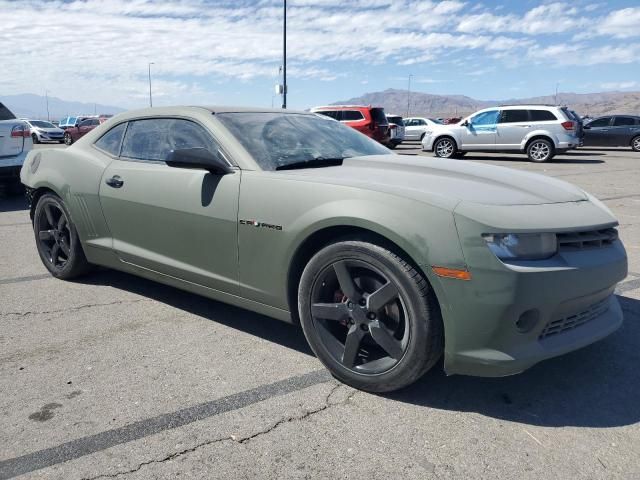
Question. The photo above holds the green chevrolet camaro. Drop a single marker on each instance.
(387, 261)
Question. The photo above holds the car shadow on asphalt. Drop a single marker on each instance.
(597, 386)
(606, 149)
(282, 333)
(523, 159)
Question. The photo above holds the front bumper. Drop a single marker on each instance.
(509, 317)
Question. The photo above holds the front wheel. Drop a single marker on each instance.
(68, 140)
(369, 316)
(57, 239)
(445, 148)
(540, 150)
(635, 144)
(34, 137)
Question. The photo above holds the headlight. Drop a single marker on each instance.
(522, 246)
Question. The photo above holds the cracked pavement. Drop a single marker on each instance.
(117, 377)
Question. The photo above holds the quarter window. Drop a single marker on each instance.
(600, 122)
(542, 115)
(153, 139)
(623, 121)
(110, 142)
(335, 114)
(85, 123)
(513, 116)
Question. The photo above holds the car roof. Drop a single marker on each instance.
(341, 107)
(181, 110)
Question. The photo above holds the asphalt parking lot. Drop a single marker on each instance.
(114, 376)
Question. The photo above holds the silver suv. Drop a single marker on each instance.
(540, 131)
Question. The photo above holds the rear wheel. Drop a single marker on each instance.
(57, 239)
(540, 150)
(369, 316)
(445, 148)
(68, 140)
(635, 144)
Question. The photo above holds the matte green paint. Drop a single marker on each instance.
(180, 227)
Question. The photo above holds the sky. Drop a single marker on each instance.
(229, 51)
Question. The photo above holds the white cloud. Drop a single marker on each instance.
(620, 85)
(621, 23)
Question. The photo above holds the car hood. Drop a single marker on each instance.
(49, 130)
(446, 182)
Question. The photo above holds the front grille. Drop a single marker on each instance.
(588, 239)
(570, 322)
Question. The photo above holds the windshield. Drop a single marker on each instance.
(41, 124)
(279, 139)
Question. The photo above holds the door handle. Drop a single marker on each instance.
(115, 181)
(524, 126)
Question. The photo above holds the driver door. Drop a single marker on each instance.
(179, 222)
(480, 133)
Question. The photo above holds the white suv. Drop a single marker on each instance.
(540, 131)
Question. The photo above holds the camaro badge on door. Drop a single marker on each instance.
(255, 223)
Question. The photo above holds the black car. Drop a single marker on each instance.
(613, 131)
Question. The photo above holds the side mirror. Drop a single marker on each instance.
(465, 123)
(586, 127)
(198, 158)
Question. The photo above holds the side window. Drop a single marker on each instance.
(600, 122)
(421, 122)
(110, 141)
(486, 118)
(153, 139)
(542, 115)
(513, 116)
(352, 116)
(95, 122)
(85, 123)
(623, 121)
(330, 113)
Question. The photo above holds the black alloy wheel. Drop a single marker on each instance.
(369, 316)
(360, 317)
(57, 239)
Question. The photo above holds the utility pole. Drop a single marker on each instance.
(409, 95)
(150, 98)
(46, 96)
(284, 56)
(556, 97)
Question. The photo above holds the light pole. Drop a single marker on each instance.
(556, 97)
(284, 56)
(409, 95)
(46, 96)
(150, 98)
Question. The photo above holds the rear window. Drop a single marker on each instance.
(351, 116)
(542, 115)
(513, 116)
(396, 120)
(5, 113)
(378, 116)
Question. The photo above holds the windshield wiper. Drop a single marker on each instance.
(317, 162)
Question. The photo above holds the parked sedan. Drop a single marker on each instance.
(387, 261)
(415, 127)
(42, 131)
(613, 131)
(72, 134)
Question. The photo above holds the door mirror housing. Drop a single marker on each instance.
(586, 127)
(465, 123)
(198, 158)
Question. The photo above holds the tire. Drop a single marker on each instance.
(68, 140)
(445, 147)
(34, 137)
(57, 239)
(387, 302)
(635, 144)
(540, 150)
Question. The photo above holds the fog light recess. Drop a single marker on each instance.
(528, 320)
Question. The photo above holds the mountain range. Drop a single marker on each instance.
(28, 105)
(393, 100)
(426, 104)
